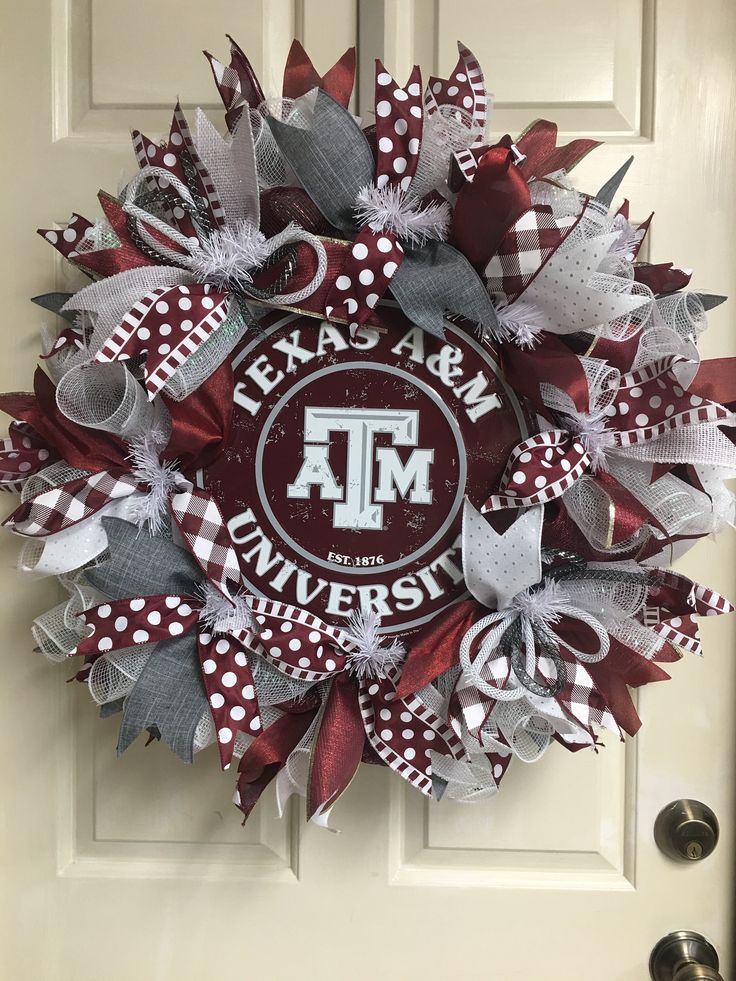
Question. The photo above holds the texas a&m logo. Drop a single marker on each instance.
(358, 500)
(343, 480)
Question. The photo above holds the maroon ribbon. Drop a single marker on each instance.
(300, 75)
(338, 748)
(435, 648)
(200, 423)
(621, 669)
(662, 277)
(538, 143)
(488, 206)
(265, 756)
(550, 361)
(200, 426)
(716, 380)
(86, 449)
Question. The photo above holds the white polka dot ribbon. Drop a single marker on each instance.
(226, 673)
(540, 469)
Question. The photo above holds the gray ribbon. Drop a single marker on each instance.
(608, 191)
(140, 565)
(438, 279)
(54, 303)
(169, 694)
(332, 159)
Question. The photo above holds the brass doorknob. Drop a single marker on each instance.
(686, 830)
(684, 956)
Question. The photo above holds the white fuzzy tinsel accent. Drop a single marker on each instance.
(220, 615)
(522, 321)
(389, 209)
(162, 479)
(596, 438)
(230, 255)
(540, 605)
(375, 656)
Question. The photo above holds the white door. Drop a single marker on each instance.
(138, 867)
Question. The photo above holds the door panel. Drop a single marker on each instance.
(139, 867)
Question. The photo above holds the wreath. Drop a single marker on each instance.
(368, 443)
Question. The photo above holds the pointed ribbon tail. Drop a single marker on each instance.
(201, 523)
(300, 75)
(437, 280)
(369, 268)
(674, 604)
(69, 503)
(540, 469)
(332, 159)
(434, 649)
(230, 688)
(168, 696)
(538, 143)
(620, 670)
(338, 746)
(265, 756)
(405, 744)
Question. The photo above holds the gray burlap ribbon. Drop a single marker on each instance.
(334, 161)
(169, 695)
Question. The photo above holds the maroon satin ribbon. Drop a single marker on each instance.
(488, 206)
(550, 361)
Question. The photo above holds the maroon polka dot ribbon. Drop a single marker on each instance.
(23, 453)
(404, 732)
(376, 253)
(168, 325)
(226, 674)
(651, 402)
(540, 469)
(179, 158)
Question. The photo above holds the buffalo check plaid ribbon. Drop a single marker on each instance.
(61, 507)
(525, 248)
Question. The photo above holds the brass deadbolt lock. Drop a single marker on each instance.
(686, 830)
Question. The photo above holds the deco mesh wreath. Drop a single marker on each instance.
(368, 444)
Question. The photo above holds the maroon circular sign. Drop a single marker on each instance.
(349, 459)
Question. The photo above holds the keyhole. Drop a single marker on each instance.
(694, 849)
